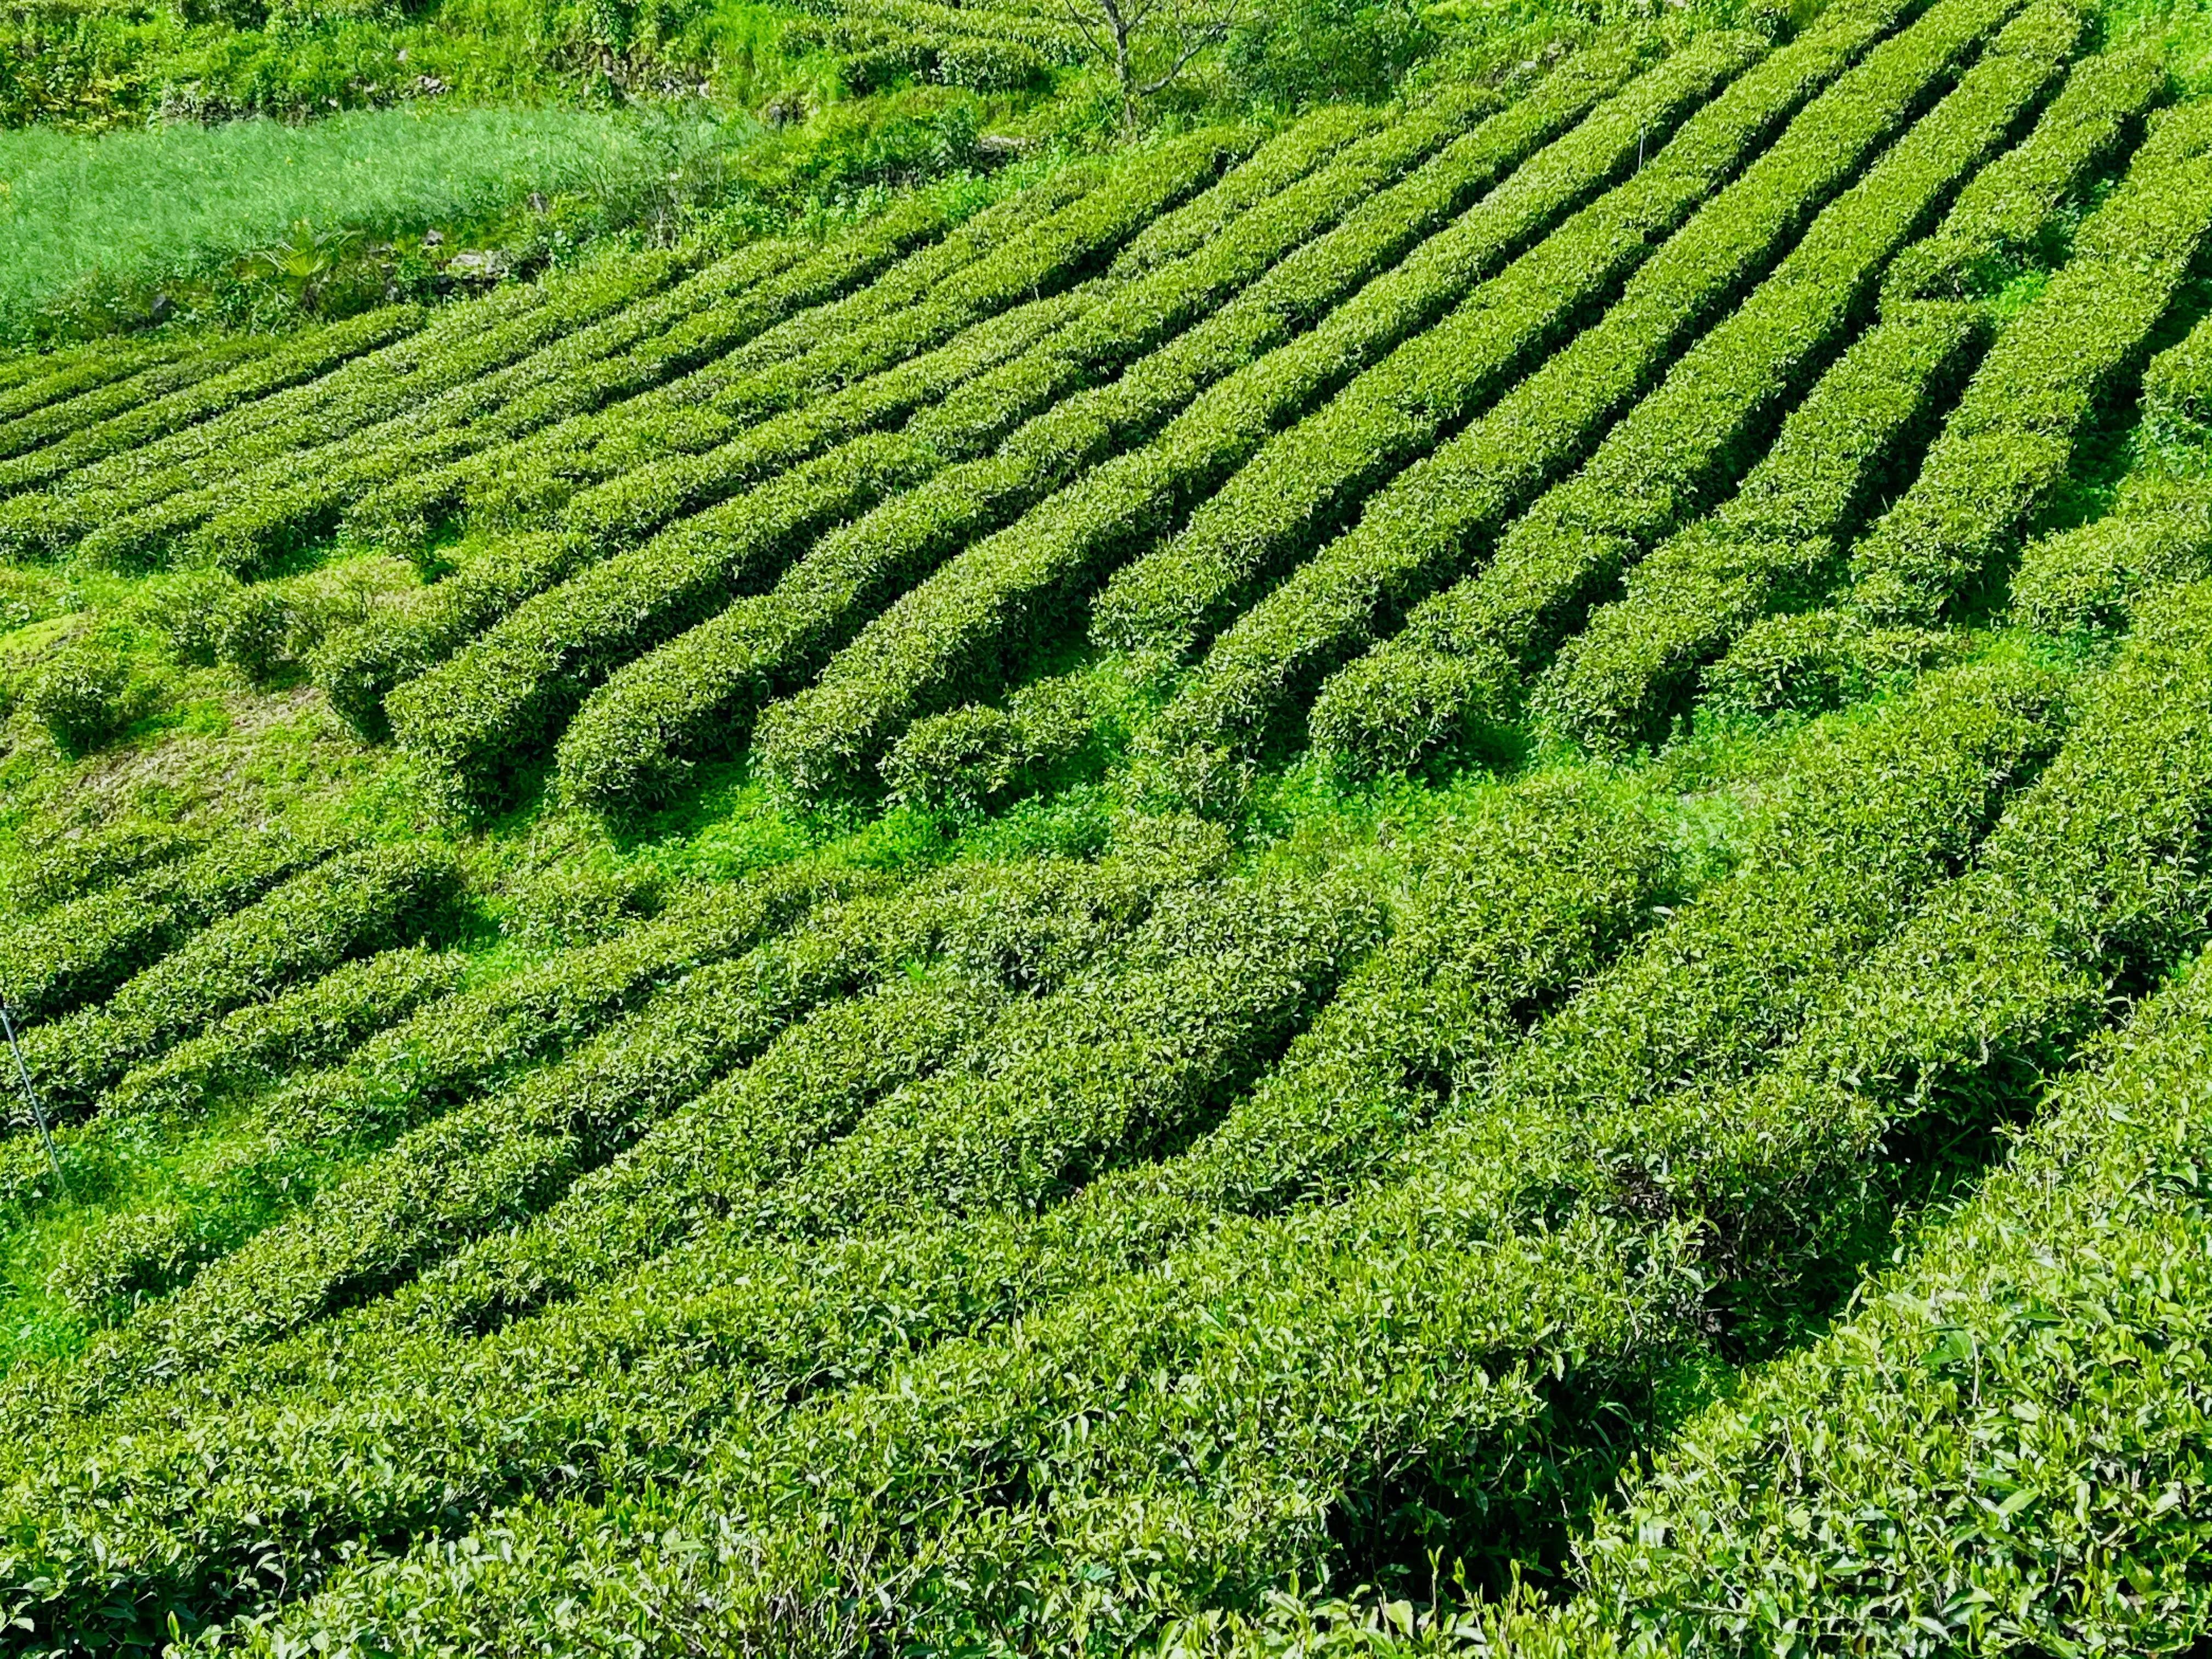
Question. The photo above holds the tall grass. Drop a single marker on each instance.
(127, 209)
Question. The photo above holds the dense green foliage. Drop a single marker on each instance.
(1401, 851)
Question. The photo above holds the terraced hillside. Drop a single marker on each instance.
(1428, 880)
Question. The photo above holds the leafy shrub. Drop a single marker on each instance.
(85, 692)
(1312, 50)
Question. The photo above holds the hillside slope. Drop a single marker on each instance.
(1424, 878)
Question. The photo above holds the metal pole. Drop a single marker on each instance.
(38, 1112)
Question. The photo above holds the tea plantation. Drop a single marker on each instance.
(1420, 875)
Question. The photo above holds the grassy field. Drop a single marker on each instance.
(1413, 873)
(128, 210)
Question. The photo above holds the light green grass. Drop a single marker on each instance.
(131, 208)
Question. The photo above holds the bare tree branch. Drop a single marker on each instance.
(1109, 28)
(1076, 15)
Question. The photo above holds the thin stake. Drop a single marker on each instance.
(38, 1112)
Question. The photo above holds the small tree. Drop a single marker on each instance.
(1178, 30)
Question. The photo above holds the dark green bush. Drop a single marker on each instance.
(1302, 51)
(85, 693)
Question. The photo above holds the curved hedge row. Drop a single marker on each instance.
(168, 374)
(1280, 162)
(1006, 386)
(2177, 394)
(1509, 906)
(1223, 970)
(309, 498)
(80, 950)
(318, 1024)
(1777, 544)
(110, 496)
(458, 1048)
(971, 623)
(984, 264)
(52, 868)
(680, 700)
(35, 379)
(2090, 579)
(1458, 660)
(492, 702)
(467, 416)
(358, 666)
(2008, 1435)
(1421, 529)
(490, 707)
(2013, 211)
(1529, 897)
(746, 296)
(450, 1051)
(496, 1160)
(1300, 486)
(2092, 882)
(350, 905)
(303, 358)
(1259, 1354)
(1858, 838)
(2012, 439)
(244, 1053)
(858, 280)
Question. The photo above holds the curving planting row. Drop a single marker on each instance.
(1458, 661)
(1300, 486)
(997, 260)
(972, 622)
(100, 396)
(2011, 216)
(615, 612)
(495, 1159)
(243, 1054)
(1434, 518)
(115, 498)
(1189, 1001)
(305, 358)
(1530, 897)
(1219, 1397)
(350, 905)
(475, 714)
(2005, 1445)
(309, 497)
(358, 666)
(34, 379)
(2013, 437)
(1129, 318)
(687, 699)
(2089, 580)
(2177, 392)
(80, 949)
(320, 1024)
(1777, 544)
(1275, 166)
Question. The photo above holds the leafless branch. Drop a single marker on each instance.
(1081, 18)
